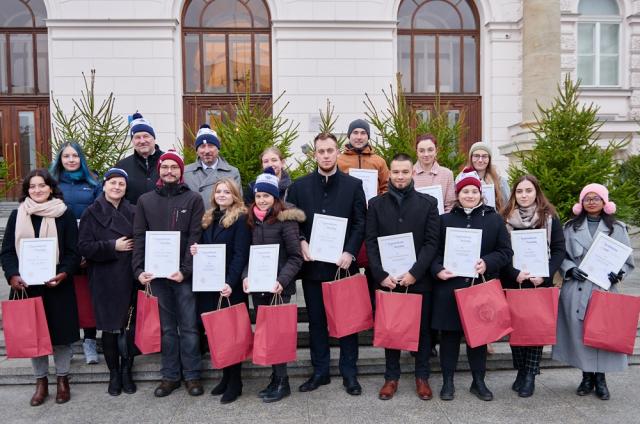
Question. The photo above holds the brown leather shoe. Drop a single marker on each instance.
(42, 392)
(388, 390)
(423, 389)
(166, 387)
(64, 393)
(194, 387)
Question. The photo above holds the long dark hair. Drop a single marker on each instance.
(48, 180)
(577, 220)
(272, 217)
(544, 208)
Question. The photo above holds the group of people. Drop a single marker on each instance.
(152, 190)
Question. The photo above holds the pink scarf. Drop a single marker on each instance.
(49, 211)
(261, 215)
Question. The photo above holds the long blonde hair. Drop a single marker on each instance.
(233, 212)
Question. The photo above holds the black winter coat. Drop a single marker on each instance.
(59, 302)
(143, 174)
(285, 232)
(339, 195)
(557, 253)
(495, 251)
(418, 214)
(168, 208)
(110, 274)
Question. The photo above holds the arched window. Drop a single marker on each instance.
(599, 43)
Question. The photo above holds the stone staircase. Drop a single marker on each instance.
(371, 359)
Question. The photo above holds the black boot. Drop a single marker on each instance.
(112, 358)
(479, 388)
(270, 387)
(222, 385)
(518, 383)
(126, 365)
(587, 383)
(448, 390)
(234, 388)
(601, 386)
(281, 390)
(528, 385)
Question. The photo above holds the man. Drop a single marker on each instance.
(201, 175)
(328, 191)
(141, 165)
(172, 207)
(404, 210)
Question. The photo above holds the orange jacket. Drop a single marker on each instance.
(366, 159)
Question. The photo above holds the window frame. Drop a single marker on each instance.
(597, 21)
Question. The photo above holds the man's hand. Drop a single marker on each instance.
(145, 277)
(56, 280)
(17, 283)
(177, 277)
(389, 283)
(345, 260)
(481, 266)
(445, 274)
(226, 291)
(306, 252)
(406, 279)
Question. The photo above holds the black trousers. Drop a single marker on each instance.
(450, 350)
(260, 299)
(527, 358)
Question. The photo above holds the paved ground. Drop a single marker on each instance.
(554, 402)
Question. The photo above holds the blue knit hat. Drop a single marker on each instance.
(115, 172)
(139, 124)
(207, 136)
(267, 183)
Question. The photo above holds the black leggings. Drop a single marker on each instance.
(450, 350)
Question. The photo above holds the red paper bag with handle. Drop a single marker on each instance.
(611, 321)
(484, 313)
(229, 334)
(347, 305)
(534, 316)
(148, 330)
(397, 323)
(276, 337)
(26, 332)
(86, 317)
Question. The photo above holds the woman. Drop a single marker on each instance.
(271, 157)
(593, 214)
(495, 252)
(528, 209)
(272, 222)
(105, 240)
(80, 188)
(42, 213)
(427, 171)
(480, 161)
(225, 223)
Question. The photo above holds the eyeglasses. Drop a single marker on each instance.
(169, 168)
(594, 199)
(480, 157)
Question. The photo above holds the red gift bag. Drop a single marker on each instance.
(534, 316)
(347, 305)
(229, 334)
(484, 313)
(26, 332)
(148, 330)
(86, 317)
(397, 323)
(276, 335)
(611, 321)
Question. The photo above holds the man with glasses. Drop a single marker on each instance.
(172, 207)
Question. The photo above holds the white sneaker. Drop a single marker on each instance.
(90, 352)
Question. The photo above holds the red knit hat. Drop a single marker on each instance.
(468, 176)
(170, 155)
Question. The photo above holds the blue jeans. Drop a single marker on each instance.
(180, 339)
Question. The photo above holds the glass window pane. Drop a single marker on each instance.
(404, 60)
(424, 61)
(405, 13)
(21, 47)
(470, 65)
(15, 14)
(598, 7)
(468, 20)
(609, 38)
(192, 15)
(192, 63)
(215, 64)
(43, 63)
(437, 14)
(262, 73)
(211, 116)
(260, 13)
(239, 61)
(27, 127)
(586, 42)
(609, 70)
(40, 12)
(226, 14)
(449, 64)
(586, 69)
(4, 86)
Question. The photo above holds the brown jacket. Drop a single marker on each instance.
(366, 159)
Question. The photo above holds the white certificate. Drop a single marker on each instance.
(462, 251)
(327, 238)
(369, 178)
(209, 267)
(398, 253)
(162, 253)
(489, 193)
(37, 259)
(604, 256)
(263, 267)
(530, 252)
(435, 191)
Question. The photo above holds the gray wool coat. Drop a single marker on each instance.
(199, 181)
(574, 298)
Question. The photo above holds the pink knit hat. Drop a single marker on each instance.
(600, 190)
(468, 176)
